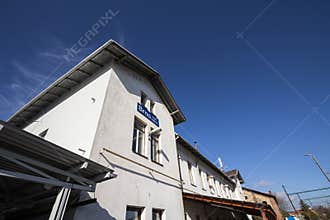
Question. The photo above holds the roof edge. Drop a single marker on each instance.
(162, 90)
(189, 147)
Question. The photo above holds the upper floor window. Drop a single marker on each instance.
(217, 186)
(191, 174)
(211, 183)
(155, 148)
(144, 99)
(133, 213)
(138, 145)
(157, 214)
(152, 106)
(202, 176)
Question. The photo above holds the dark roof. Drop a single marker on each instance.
(235, 173)
(88, 67)
(233, 205)
(193, 150)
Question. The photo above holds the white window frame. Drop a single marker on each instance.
(191, 173)
(210, 180)
(152, 106)
(158, 159)
(143, 99)
(202, 176)
(140, 211)
(162, 211)
(217, 186)
(137, 149)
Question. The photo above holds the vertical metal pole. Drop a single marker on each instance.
(286, 193)
(319, 166)
(60, 204)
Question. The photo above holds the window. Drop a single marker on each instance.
(152, 106)
(211, 183)
(217, 186)
(155, 149)
(157, 214)
(43, 134)
(138, 137)
(144, 99)
(133, 213)
(202, 176)
(191, 174)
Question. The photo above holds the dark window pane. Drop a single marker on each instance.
(133, 213)
(157, 214)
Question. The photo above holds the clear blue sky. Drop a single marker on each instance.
(249, 100)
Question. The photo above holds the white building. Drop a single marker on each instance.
(114, 109)
(201, 177)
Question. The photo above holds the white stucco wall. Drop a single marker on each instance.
(135, 185)
(186, 156)
(73, 121)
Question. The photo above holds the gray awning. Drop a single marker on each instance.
(30, 158)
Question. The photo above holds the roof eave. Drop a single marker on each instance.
(140, 66)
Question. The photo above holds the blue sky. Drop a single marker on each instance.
(256, 99)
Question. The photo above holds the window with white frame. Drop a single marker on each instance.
(157, 214)
(152, 106)
(144, 99)
(202, 176)
(155, 148)
(211, 183)
(217, 186)
(133, 213)
(138, 145)
(191, 174)
(227, 191)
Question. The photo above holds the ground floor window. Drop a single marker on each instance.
(157, 214)
(133, 213)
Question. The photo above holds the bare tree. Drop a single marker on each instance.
(282, 204)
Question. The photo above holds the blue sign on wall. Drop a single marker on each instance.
(144, 111)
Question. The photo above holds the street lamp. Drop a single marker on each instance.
(319, 165)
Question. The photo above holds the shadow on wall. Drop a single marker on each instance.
(151, 177)
(88, 209)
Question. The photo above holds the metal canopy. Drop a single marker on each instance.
(257, 209)
(32, 156)
(26, 159)
(86, 69)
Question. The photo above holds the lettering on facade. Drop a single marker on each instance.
(144, 111)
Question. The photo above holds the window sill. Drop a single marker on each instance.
(157, 163)
(141, 155)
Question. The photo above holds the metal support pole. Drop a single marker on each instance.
(60, 204)
(319, 166)
(286, 193)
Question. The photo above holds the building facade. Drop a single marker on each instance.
(116, 110)
(201, 177)
(261, 197)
